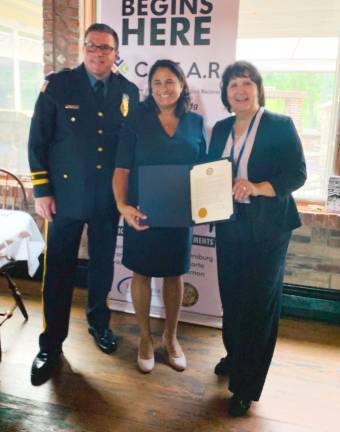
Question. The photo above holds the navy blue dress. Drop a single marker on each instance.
(158, 252)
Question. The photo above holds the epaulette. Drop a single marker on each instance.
(120, 76)
(125, 81)
(63, 71)
(53, 75)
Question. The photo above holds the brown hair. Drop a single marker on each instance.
(103, 28)
(241, 69)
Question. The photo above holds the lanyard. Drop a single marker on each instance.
(236, 163)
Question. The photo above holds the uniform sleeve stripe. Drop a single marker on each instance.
(34, 173)
(40, 182)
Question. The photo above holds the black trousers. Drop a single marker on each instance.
(63, 239)
(250, 279)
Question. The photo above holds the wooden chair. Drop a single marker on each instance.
(12, 197)
(12, 192)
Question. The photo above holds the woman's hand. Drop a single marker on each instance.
(133, 217)
(131, 214)
(243, 189)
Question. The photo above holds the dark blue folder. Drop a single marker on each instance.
(164, 195)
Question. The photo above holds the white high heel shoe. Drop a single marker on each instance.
(146, 365)
(178, 363)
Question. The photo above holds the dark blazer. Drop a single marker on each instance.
(72, 141)
(277, 157)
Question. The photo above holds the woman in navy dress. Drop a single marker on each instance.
(162, 130)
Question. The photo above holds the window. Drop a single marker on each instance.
(21, 75)
(295, 45)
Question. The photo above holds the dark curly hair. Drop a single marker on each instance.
(241, 69)
(184, 101)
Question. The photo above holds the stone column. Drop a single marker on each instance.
(61, 34)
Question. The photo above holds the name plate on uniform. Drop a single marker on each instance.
(185, 195)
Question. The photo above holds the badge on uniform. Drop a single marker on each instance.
(72, 107)
(124, 106)
(44, 86)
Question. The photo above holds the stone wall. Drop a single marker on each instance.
(314, 251)
(337, 162)
(61, 34)
(313, 256)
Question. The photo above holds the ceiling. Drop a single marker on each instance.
(289, 18)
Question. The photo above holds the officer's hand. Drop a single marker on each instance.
(45, 207)
(133, 217)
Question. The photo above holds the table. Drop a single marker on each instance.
(20, 239)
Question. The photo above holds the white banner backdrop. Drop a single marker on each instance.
(201, 303)
(201, 36)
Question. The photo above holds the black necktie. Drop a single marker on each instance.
(99, 92)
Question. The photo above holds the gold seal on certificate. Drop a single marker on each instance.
(202, 212)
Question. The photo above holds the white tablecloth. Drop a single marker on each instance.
(20, 239)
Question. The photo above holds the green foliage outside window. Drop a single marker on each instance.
(318, 86)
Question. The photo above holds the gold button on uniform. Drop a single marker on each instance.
(100, 131)
(73, 119)
(65, 176)
(100, 114)
(100, 149)
(99, 167)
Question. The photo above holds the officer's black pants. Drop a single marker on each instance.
(250, 280)
(60, 265)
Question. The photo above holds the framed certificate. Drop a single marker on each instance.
(185, 195)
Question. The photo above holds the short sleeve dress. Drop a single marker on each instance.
(157, 252)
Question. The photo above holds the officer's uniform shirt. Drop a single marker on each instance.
(72, 142)
(93, 81)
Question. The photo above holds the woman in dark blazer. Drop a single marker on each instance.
(268, 165)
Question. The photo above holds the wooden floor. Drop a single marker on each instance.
(97, 392)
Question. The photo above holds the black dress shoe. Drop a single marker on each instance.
(223, 367)
(44, 365)
(238, 406)
(105, 339)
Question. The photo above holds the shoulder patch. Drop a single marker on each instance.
(44, 86)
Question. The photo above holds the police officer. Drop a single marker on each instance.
(72, 145)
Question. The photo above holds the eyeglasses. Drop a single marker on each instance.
(105, 49)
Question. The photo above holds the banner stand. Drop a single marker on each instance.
(201, 35)
(158, 312)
